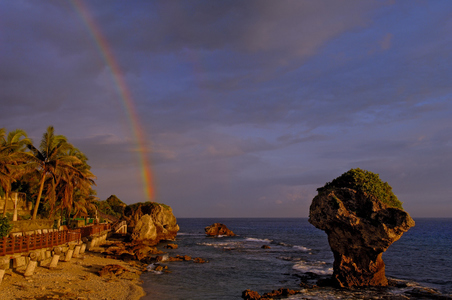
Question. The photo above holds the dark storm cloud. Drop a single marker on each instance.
(248, 106)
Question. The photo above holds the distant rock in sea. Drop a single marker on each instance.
(217, 229)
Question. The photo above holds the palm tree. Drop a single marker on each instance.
(52, 161)
(12, 161)
(84, 204)
(75, 185)
(4, 177)
(5, 161)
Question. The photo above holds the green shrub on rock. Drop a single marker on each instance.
(367, 182)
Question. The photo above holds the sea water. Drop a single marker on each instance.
(423, 256)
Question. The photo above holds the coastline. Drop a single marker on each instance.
(77, 279)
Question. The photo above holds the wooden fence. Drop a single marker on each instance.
(93, 229)
(26, 243)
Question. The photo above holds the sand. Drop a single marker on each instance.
(77, 279)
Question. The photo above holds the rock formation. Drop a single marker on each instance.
(218, 229)
(359, 228)
(282, 292)
(152, 222)
(112, 270)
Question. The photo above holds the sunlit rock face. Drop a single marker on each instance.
(359, 228)
(152, 222)
(217, 229)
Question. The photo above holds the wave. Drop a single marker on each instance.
(219, 245)
(298, 247)
(302, 248)
(187, 233)
(258, 240)
(319, 267)
(151, 268)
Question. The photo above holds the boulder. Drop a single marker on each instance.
(359, 228)
(171, 246)
(199, 260)
(151, 222)
(282, 292)
(145, 229)
(112, 270)
(250, 295)
(143, 251)
(177, 258)
(218, 229)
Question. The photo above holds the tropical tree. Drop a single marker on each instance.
(75, 185)
(12, 159)
(4, 161)
(54, 161)
(84, 204)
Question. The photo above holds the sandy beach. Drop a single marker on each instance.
(77, 279)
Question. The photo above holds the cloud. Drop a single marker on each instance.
(245, 103)
(385, 44)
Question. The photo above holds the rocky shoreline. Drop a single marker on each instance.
(314, 286)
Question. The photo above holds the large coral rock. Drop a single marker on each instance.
(145, 229)
(359, 228)
(152, 222)
(218, 229)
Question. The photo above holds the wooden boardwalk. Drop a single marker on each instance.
(26, 243)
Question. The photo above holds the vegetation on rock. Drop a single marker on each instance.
(367, 182)
(146, 207)
(113, 206)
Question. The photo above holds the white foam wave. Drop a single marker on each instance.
(151, 268)
(187, 233)
(302, 248)
(218, 245)
(319, 268)
(258, 240)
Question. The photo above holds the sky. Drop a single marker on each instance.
(237, 108)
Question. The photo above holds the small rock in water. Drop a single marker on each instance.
(217, 229)
(158, 269)
(199, 260)
(171, 246)
(250, 295)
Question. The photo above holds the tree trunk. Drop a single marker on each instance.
(41, 187)
(6, 203)
(15, 201)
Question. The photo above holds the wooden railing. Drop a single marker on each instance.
(119, 226)
(18, 244)
(26, 243)
(94, 229)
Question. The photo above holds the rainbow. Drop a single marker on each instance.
(127, 100)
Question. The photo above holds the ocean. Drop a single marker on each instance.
(421, 258)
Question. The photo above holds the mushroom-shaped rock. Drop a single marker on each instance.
(218, 229)
(360, 227)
